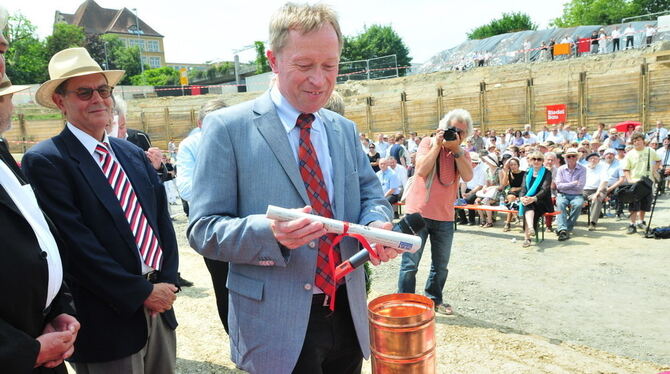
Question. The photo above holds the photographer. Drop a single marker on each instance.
(440, 163)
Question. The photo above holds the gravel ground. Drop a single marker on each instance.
(597, 303)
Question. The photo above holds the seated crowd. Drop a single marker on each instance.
(527, 174)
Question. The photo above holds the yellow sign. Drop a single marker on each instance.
(183, 77)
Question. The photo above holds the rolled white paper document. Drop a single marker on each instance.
(388, 238)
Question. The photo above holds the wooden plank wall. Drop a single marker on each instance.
(639, 92)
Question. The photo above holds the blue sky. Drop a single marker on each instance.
(201, 30)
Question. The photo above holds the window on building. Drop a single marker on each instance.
(136, 42)
(144, 60)
(153, 46)
(154, 62)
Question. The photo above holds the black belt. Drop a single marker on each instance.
(151, 276)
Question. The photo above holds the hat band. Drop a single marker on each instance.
(5, 84)
(84, 69)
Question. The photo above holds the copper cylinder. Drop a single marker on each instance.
(402, 334)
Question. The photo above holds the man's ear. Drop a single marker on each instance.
(272, 60)
(58, 100)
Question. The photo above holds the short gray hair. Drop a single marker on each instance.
(120, 106)
(459, 115)
(210, 106)
(301, 17)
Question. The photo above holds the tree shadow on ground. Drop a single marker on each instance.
(190, 366)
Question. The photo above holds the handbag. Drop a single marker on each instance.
(489, 192)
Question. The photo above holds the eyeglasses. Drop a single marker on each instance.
(86, 93)
(570, 156)
(536, 159)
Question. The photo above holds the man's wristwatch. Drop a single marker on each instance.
(457, 154)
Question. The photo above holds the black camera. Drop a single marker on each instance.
(450, 134)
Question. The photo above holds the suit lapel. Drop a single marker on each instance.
(269, 125)
(337, 156)
(99, 185)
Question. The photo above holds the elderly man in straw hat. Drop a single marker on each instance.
(111, 209)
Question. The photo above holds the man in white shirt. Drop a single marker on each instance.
(399, 170)
(616, 35)
(595, 187)
(629, 33)
(382, 145)
(568, 134)
(413, 142)
(649, 32)
(658, 133)
(555, 136)
(543, 136)
(391, 185)
(468, 190)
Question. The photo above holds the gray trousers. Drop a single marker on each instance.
(159, 355)
(596, 204)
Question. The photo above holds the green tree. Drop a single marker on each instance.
(261, 60)
(596, 12)
(509, 22)
(652, 6)
(97, 49)
(225, 68)
(26, 56)
(64, 36)
(211, 72)
(376, 41)
(165, 76)
(121, 57)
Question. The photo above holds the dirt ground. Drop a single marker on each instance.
(598, 303)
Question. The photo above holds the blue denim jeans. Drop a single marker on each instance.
(565, 221)
(441, 235)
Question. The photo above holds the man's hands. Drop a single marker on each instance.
(385, 253)
(161, 298)
(298, 232)
(57, 341)
(155, 157)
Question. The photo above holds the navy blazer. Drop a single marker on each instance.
(104, 263)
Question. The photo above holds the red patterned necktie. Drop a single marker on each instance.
(147, 243)
(318, 198)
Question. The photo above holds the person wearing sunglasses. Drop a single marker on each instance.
(570, 181)
(535, 195)
(109, 206)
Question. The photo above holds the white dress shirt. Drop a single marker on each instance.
(90, 143)
(24, 199)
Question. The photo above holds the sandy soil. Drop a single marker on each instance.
(597, 303)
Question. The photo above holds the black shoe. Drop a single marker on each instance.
(472, 223)
(631, 229)
(563, 236)
(642, 225)
(183, 282)
(462, 221)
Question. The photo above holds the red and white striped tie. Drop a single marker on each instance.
(147, 243)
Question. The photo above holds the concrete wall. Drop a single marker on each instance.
(259, 83)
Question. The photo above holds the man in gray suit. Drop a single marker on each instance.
(284, 149)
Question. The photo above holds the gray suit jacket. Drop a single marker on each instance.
(244, 164)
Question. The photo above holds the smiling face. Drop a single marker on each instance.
(90, 116)
(306, 67)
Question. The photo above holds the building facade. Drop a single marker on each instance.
(95, 19)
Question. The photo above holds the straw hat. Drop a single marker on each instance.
(7, 88)
(571, 151)
(70, 63)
